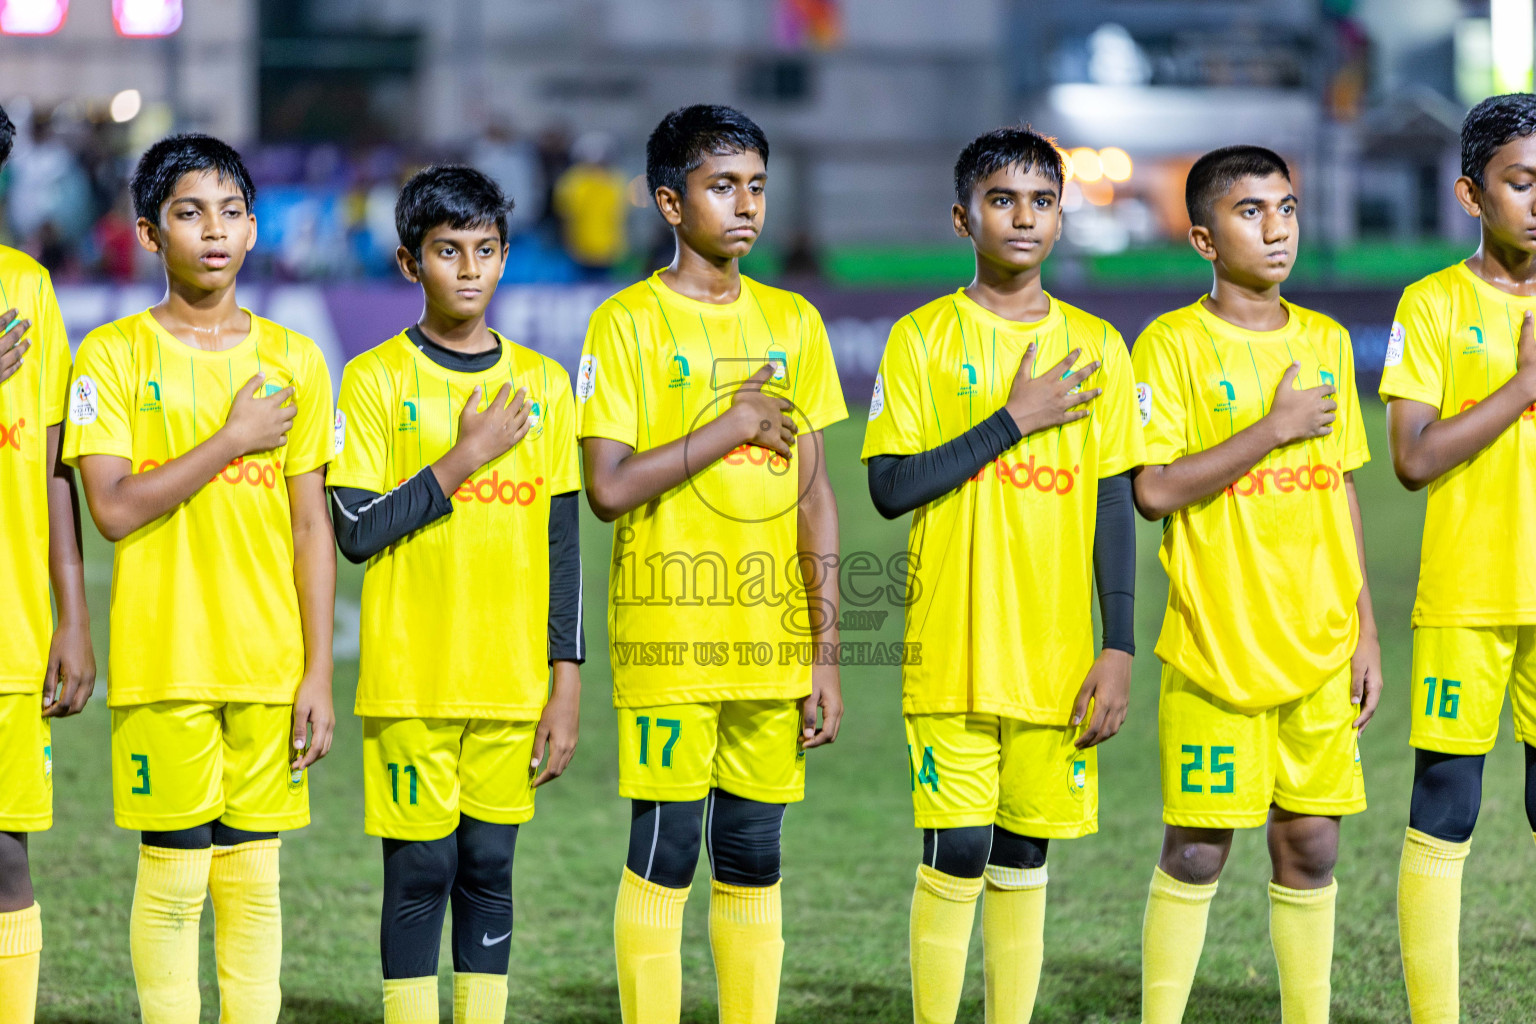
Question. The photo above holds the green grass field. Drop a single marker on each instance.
(850, 851)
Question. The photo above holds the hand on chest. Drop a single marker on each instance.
(427, 419)
(1238, 388)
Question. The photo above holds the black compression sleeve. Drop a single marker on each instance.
(1114, 562)
(567, 638)
(368, 522)
(900, 483)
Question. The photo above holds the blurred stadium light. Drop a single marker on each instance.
(32, 17)
(137, 19)
(1514, 35)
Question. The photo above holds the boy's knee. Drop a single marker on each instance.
(958, 852)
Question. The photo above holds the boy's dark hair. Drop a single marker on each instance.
(1220, 169)
(1489, 125)
(689, 134)
(1005, 147)
(7, 137)
(164, 163)
(451, 194)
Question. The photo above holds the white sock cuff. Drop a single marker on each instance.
(1000, 877)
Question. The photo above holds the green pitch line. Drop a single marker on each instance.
(850, 851)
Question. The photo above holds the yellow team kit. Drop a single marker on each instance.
(207, 645)
(1000, 590)
(1255, 706)
(450, 727)
(31, 401)
(707, 604)
(1453, 343)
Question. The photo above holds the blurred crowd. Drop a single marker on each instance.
(323, 211)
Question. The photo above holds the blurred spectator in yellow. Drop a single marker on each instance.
(592, 203)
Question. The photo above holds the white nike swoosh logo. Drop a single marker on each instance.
(486, 940)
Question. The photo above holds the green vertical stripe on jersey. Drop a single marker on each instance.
(938, 422)
(1222, 366)
(645, 417)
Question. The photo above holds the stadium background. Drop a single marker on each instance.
(865, 102)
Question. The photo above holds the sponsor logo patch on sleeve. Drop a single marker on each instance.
(1395, 344)
(339, 432)
(1144, 402)
(586, 377)
(82, 401)
(877, 399)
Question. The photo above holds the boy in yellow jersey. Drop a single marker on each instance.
(47, 670)
(1270, 660)
(702, 396)
(202, 433)
(1460, 385)
(441, 497)
(1006, 421)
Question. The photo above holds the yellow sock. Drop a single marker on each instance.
(162, 932)
(247, 931)
(1013, 941)
(1429, 925)
(479, 998)
(943, 911)
(1172, 936)
(648, 939)
(21, 947)
(1301, 930)
(411, 1000)
(746, 936)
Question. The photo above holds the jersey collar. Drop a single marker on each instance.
(734, 308)
(985, 316)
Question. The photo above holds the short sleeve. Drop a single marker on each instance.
(100, 399)
(1160, 395)
(1356, 451)
(361, 431)
(1416, 349)
(1121, 446)
(311, 442)
(817, 394)
(895, 409)
(607, 379)
(565, 467)
(48, 331)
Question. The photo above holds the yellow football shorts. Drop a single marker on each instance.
(177, 764)
(419, 774)
(1223, 768)
(1460, 674)
(970, 769)
(749, 748)
(26, 764)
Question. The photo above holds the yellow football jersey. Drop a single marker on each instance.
(1452, 345)
(31, 401)
(1000, 571)
(705, 595)
(204, 606)
(444, 635)
(1263, 577)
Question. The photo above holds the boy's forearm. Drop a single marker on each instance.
(565, 678)
(1363, 605)
(816, 538)
(1428, 448)
(66, 566)
(1161, 491)
(457, 465)
(314, 569)
(618, 486)
(123, 501)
